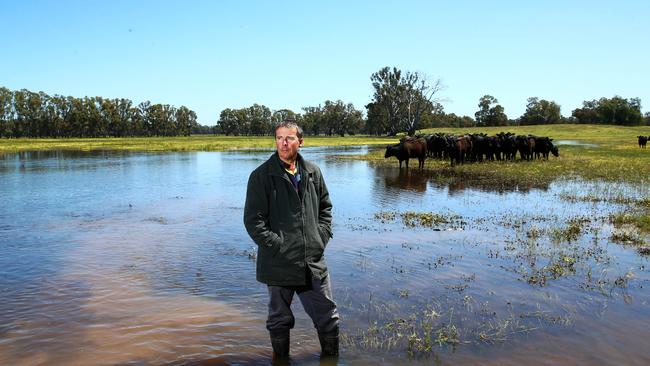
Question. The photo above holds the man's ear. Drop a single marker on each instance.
(301, 141)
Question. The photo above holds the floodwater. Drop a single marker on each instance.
(574, 143)
(115, 258)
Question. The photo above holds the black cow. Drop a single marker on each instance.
(408, 148)
(436, 145)
(643, 140)
(526, 146)
(544, 146)
(508, 145)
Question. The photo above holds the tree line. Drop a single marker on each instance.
(408, 101)
(330, 118)
(402, 101)
(24, 113)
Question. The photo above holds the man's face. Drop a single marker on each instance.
(287, 143)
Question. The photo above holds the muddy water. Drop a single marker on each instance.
(142, 259)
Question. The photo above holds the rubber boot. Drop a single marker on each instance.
(329, 344)
(280, 341)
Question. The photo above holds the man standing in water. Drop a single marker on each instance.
(288, 214)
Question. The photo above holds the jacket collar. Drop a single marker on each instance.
(275, 166)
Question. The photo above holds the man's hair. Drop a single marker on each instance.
(290, 123)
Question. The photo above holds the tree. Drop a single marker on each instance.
(377, 122)
(340, 118)
(185, 121)
(620, 111)
(489, 115)
(6, 112)
(405, 97)
(29, 112)
(312, 120)
(259, 117)
(228, 122)
(588, 113)
(616, 111)
(418, 96)
(453, 120)
(282, 115)
(540, 112)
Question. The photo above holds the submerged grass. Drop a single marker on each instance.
(412, 219)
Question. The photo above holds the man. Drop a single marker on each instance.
(288, 214)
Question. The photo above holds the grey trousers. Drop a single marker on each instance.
(316, 299)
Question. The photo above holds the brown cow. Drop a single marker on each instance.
(459, 148)
(408, 148)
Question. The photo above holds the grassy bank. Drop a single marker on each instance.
(191, 143)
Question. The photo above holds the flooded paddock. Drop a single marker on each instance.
(113, 258)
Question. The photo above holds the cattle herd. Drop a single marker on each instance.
(471, 147)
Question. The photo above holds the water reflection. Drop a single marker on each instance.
(404, 179)
(397, 180)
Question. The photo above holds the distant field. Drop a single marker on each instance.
(612, 137)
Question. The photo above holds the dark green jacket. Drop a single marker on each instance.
(291, 233)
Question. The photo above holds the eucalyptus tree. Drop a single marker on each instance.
(76, 118)
(185, 121)
(620, 111)
(259, 120)
(228, 122)
(60, 107)
(588, 114)
(28, 112)
(453, 120)
(6, 112)
(283, 114)
(109, 116)
(340, 118)
(617, 111)
(94, 124)
(161, 117)
(377, 121)
(490, 113)
(404, 96)
(144, 117)
(312, 120)
(124, 124)
(540, 112)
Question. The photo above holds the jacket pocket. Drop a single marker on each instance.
(325, 235)
(277, 244)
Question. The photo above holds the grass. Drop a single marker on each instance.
(191, 143)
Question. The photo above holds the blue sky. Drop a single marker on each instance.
(211, 55)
